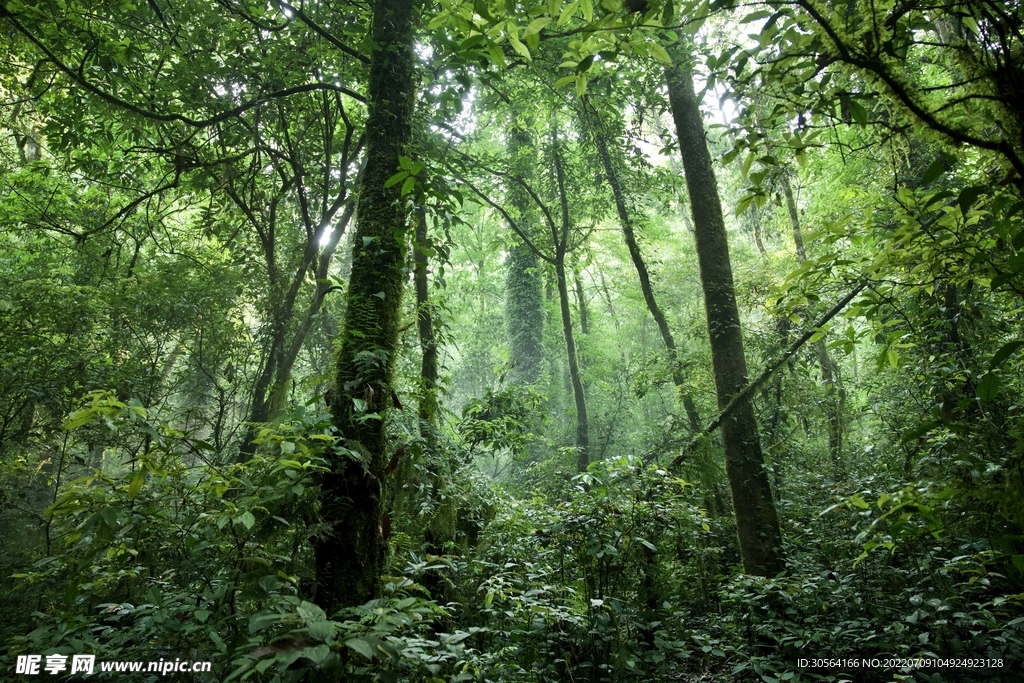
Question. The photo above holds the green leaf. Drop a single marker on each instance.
(136, 485)
(1005, 352)
(660, 53)
(261, 620)
(246, 519)
(201, 615)
(497, 56)
(755, 16)
(935, 170)
(858, 112)
(109, 514)
(360, 646)
(568, 13)
(536, 25)
(519, 47)
(968, 196)
(438, 20)
(697, 19)
(395, 179)
(408, 186)
(78, 418)
(581, 85)
(989, 386)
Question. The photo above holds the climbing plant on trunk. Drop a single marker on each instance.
(524, 301)
(351, 553)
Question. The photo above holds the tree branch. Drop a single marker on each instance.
(323, 33)
(128, 208)
(512, 224)
(745, 393)
(80, 79)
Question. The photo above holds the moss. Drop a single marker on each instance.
(350, 556)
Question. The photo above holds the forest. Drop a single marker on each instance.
(513, 342)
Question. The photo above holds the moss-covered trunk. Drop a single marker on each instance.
(425, 328)
(350, 556)
(524, 302)
(757, 522)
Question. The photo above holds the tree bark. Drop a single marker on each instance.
(350, 556)
(425, 328)
(757, 522)
(440, 529)
(755, 223)
(794, 216)
(581, 302)
(579, 397)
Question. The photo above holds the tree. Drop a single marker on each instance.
(350, 556)
(524, 302)
(561, 235)
(757, 523)
(626, 219)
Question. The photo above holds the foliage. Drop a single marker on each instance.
(170, 551)
(176, 182)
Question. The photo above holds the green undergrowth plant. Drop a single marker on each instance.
(897, 579)
(585, 586)
(394, 638)
(167, 550)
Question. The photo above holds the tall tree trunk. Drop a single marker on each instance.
(757, 522)
(626, 221)
(794, 216)
(835, 394)
(277, 396)
(561, 242)
(441, 528)
(425, 327)
(524, 301)
(581, 302)
(350, 556)
(579, 396)
(755, 223)
(271, 390)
